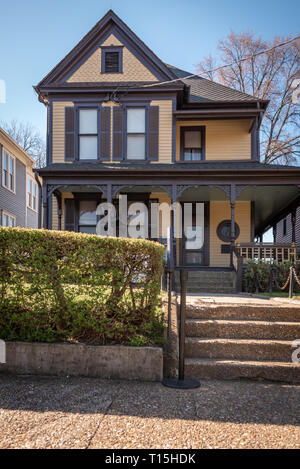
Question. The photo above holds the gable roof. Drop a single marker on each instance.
(110, 23)
(203, 90)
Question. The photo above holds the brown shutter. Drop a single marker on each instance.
(118, 133)
(69, 134)
(105, 133)
(153, 133)
(69, 215)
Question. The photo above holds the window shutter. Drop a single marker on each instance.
(105, 133)
(153, 133)
(69, 215)
(69, 133)
(118, 133)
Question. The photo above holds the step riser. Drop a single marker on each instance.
(237, 351)
(244, 312)
(243, 331)
(209, 282)
(232, 371)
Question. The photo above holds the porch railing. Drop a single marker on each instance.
(269, 252)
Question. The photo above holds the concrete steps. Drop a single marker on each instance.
(242, 329)
(234, 369)
(241, 341)
(207, 281)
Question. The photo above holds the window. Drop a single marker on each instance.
(284, 227)
(8, 171)
(88, 134)
(31, 194)
(87, 218)
(8, 220)
(136, 133)
(192, 143)
(111, 60)
(224, 231)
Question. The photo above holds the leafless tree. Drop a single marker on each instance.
(29, 138)
(268, 76)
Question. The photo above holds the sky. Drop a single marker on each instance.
(37, 34)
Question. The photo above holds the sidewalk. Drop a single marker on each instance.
(49, 412)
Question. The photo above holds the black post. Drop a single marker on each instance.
(271, 279)
(182, 383)
(291, 288)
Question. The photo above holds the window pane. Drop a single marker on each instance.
(88, 121)
(88, 148)
(87, 229)
(5, 220)
(136, 147)
(192, 154)
(192, 139)
(11, 182)
(29, 185)
(11, 222)
(5, 158)
(111, 62)
(87, 212)
(11, 165)
(136, 120)
(34, 189)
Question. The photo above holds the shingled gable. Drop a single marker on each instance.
(109, 25)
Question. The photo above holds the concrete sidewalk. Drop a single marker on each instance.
(241, 299)
(50, 412)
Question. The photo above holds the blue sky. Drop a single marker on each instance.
(36, 35)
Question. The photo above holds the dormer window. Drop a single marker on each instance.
(111, 60)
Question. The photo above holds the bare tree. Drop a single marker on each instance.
(29, 138)
(268, 76)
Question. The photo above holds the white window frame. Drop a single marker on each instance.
(32, 181)
(9, 215)
(12, 157)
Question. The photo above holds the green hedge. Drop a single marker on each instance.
(59, 285)
(257, 269)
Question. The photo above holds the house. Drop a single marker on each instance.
(287, 230)
(19, 190)
(121, 121)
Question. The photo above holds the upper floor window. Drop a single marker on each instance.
(8, 171)
(88, 134)
(192, 143)
(136, 133)
(8, 219)
(31, 194)
(111, 60)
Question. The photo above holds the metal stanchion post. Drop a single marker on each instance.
(182, 383)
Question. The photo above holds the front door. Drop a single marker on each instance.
(195, 234)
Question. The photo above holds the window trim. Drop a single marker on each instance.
(107, 49)
(29, 178)
(10, 155)
(8, 214)
(183, 129)
(146, 133)
(88, 107)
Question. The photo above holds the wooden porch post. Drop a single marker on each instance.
(45, 206)
(232, 226)
(173, 222)
(274, 233)
(57, 195)
(293, 215)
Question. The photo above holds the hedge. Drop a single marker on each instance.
(257, 275)
(64, 286)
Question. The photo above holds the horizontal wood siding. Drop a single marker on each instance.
(280, 237)
(225, 139)
(133, 69)
(58, 135)
(165, 130)
(220, 211)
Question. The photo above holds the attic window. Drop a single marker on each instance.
(111, 60)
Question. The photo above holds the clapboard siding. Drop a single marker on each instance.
(280, 237)
(224, 139)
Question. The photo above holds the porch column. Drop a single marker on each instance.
(293, 215)
(274, 233)
(173, 223)
(109, 201)
(232, 226)
(59, 208)
(45, 206)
